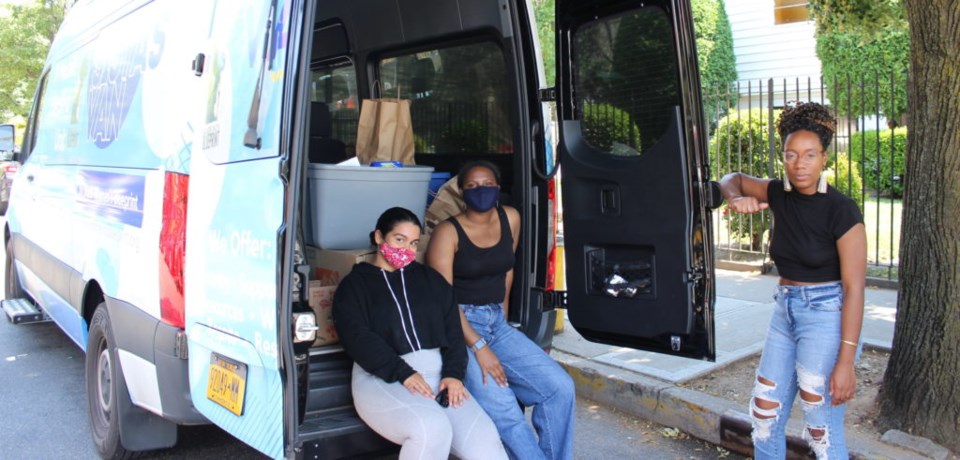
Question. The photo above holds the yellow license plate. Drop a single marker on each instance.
(227, 382)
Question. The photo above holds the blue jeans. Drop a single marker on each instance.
(799, 355)
(534, 379)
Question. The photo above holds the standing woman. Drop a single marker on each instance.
(474, 251)
(819, 248)
(398, 321)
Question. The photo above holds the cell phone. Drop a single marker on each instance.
(442, 398)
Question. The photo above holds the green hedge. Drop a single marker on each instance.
(839, 175)
(873, 150)
(605, 124)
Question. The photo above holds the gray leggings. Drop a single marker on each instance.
(423, 428)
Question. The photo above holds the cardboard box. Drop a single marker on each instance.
(321, 301)
(330, 266)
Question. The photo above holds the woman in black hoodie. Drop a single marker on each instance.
(399, 322)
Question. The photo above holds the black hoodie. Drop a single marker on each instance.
(373, 319)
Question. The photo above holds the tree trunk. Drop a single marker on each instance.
(921, 388)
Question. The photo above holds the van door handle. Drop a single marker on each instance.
(29, 177)
(610, 200)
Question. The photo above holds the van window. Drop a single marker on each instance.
(626, 80)
(336, 87)
(459, 97)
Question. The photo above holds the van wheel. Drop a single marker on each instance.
(103, 379)
(11, 285)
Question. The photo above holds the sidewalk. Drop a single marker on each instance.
(645, 384)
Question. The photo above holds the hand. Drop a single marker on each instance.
(489, 364)
(417, 385)
(843, 383)
(746, 205)
(456, 393)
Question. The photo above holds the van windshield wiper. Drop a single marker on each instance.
(252, 137)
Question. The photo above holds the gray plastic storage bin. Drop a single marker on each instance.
(345, 201)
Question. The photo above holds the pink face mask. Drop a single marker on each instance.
(397, 257)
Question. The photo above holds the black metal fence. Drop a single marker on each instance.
(866, 156)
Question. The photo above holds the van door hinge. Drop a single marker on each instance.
(547, 94)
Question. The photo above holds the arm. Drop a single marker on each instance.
(852, 247)
(513, 217)
(440, 254)
(365, 346)
(744, 194)
(455, 353)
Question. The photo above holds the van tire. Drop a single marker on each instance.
(11, 286)
(103, 380)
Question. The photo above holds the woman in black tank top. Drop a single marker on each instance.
(474, 251)
(819, 248)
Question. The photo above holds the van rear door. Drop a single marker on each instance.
(638, 241)
(234, 223)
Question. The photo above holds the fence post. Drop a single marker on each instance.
(770, 128)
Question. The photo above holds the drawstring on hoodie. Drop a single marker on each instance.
(406, 300)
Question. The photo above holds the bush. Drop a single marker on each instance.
(872, 150)
(846, 179)
(740, 143)
(465, 136)
(604, 125)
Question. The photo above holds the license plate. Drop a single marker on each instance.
(227, 382)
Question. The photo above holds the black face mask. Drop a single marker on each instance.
(481, 199)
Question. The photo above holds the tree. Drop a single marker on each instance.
(718, 64)
(26, 32)
(544, 12)
(920, 385)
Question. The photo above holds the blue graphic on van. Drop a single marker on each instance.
(113, 197)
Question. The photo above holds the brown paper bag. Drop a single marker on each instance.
(385, 131)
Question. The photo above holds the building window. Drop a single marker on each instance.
(788, 11)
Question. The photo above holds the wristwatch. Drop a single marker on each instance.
(478, 345)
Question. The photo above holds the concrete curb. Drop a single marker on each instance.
(712, 419)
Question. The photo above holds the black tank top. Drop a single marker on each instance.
(479, 274)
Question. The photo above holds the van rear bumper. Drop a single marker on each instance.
(155, 342)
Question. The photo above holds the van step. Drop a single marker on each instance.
(330, 373)
(337, 433)
(20, 311)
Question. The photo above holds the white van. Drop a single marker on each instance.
(167, 188)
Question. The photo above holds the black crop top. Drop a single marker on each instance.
(479, 274)
(806, 230)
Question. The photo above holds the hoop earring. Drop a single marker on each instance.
(786, 182)
(822, 184)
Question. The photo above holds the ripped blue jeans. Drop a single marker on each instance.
(799, 355)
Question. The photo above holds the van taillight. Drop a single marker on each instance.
(173, 243)
(12, 168)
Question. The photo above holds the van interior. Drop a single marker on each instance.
(466, 67)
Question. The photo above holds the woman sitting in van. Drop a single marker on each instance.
(398, 321)
(475, 250)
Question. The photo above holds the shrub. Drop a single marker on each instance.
(846, 179)
(873, 150)
(465, 136)
(604, 125)
(740, 143)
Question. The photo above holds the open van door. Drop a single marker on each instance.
(234, 223)
(637, 233)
